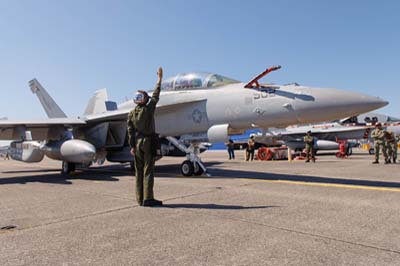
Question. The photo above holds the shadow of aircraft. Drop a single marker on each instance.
(172, 170)
(226, 173)
(54, 177)
(111, 173)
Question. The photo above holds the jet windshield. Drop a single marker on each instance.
(192, 81)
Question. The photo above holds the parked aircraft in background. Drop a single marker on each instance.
(390, 123)
(196, 107)
(371, 118)
(327, 134)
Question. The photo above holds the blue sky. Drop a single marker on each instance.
(76, 47)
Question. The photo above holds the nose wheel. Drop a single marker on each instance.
(189, 169)
(193, 165)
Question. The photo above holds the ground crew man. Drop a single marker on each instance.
(250, 149)
(141, 134)
(397, 146)
(391, 143)
(309, 140)
(378, 134)
(230, 145)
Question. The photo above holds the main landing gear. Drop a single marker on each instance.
(67, 168)
(193, 164)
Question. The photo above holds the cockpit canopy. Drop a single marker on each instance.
(192, 81)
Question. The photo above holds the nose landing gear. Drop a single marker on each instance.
(193, 164)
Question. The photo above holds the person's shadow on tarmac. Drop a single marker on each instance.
(214, 206)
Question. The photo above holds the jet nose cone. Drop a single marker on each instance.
(354, 103)
(331, 104)
(358, 103)
(374, 102)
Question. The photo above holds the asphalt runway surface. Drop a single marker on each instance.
(333, 212)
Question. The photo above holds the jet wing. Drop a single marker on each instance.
(162, 107)
(52, 128)
(330, 133)
(40, 129)
(41, 123)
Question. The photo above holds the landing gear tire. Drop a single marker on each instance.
(187, 168)
(197, 169)
(67, 168)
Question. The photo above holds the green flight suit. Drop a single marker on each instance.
(395, 151)
(309, 141)
(379, 141)
(392, 146)
(141, 130)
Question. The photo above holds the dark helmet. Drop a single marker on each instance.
(378, 125)
(309, 132)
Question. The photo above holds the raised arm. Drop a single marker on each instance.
(156, 93)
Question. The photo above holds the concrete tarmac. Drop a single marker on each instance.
(333, 212)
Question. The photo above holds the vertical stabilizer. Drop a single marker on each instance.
(97, 104)
(50, 106)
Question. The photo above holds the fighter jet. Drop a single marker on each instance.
(193, 108)
(390, 123)
(327, 135)
(370, 119)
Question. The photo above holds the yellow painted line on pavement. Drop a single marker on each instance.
(305, 183)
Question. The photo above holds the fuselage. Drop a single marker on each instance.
(242, 108)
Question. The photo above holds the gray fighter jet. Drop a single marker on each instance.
(193, 108)
(327, 135)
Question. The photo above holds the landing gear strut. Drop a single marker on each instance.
(193, 164)
(67, 168)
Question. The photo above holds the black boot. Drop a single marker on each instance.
(152, 203)
(375, 162)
